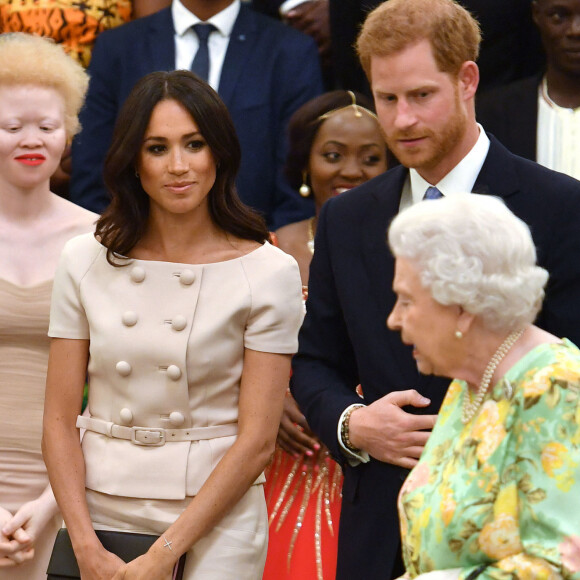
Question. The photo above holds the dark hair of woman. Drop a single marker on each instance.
(123, 223)
(304, 125)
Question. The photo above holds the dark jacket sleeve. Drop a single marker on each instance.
(325, 374)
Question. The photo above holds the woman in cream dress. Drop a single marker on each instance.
(185, 318)
(41, 91)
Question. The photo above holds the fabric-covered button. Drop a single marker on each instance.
(176, 418)
(123, 368)
(174, 372)
(179, 322)
(130, 318)
(187, 277)
(126, 416)
(137, 274)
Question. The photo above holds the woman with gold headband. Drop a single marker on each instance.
(41, 92)
(335, 144)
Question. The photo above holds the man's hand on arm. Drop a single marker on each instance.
(390, 434)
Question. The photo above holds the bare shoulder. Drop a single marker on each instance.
(73, 218)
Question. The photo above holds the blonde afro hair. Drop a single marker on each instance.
(26, 59)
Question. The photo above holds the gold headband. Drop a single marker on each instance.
(358, 110)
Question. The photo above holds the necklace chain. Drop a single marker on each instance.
(470, 406)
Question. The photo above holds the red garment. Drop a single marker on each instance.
(303, 496)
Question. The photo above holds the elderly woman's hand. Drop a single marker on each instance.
(390, 434)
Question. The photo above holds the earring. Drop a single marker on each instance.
(304, 188)
(458, 334)
(136, 174)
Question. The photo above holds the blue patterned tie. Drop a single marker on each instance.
(432, 193)
(200, 64)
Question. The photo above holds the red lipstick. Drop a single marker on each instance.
(32, 159)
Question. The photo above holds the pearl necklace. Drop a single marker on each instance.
(470, 407)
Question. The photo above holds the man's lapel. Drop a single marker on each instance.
(242, 40)
(160, 43)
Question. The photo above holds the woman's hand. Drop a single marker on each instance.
(15, 546)
(100, 565)
(294, 435)
(30, 519)
(145, 567)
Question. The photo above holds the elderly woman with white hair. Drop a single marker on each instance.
(496, 493)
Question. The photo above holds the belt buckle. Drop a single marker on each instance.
(149, 437)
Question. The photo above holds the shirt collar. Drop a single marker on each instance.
(224, 21)
(461, 178)
(543, 92)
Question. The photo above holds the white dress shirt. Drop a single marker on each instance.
(187, 42)
(558, 135)
(460, 179)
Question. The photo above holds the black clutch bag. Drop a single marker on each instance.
(127, 545)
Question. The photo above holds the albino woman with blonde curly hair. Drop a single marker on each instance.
(41, 92)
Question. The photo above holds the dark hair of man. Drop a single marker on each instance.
(124, 222)
(304, 125)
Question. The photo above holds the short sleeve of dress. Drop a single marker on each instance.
(67, 315)
(277, 308)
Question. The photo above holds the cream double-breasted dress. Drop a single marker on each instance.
(166, 352)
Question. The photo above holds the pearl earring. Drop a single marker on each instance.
(458, 334)
(304, 188)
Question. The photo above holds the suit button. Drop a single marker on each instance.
(179, 322)
(174, 372)
(187, 277)
(123, 368)
(126, 416)
(176, 418)
(130, 318)
(137, 274)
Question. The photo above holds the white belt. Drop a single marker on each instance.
(154, 436)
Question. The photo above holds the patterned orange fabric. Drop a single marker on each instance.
(73, 23)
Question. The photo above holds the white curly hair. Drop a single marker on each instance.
(472, 251)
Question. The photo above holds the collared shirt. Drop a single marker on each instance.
(460, 179)
(558, 135)
(187, 42)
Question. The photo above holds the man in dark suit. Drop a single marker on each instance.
(419, 56)
(534, 117)
(262, 70)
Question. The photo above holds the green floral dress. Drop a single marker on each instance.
(500, 497)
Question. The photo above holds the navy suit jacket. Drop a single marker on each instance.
(511, 114)
(344, 340)
(269, 71)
